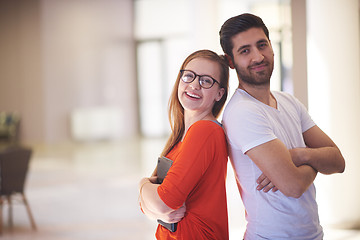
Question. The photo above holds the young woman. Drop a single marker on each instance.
(193, 193)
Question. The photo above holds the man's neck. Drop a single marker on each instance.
(261, 92)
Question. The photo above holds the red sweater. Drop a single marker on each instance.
(197, 177)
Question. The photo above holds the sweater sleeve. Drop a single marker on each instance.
(195, 154)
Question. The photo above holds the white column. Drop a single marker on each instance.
(334, 101)
(299, 68)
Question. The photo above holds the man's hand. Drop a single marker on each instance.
(265, 184)
(299, 156)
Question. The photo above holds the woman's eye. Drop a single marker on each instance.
(207, 80)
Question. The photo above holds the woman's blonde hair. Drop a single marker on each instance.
(176, 111)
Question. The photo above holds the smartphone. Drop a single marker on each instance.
(170, 226)
(163, 167)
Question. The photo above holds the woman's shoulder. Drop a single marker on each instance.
(206, 126)
(205, 134)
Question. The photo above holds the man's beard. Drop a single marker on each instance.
(255, 78)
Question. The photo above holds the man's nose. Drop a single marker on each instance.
(257, 56)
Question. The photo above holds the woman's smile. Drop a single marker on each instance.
(192, 95)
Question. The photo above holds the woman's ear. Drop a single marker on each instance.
(230, 62)
(220, 94)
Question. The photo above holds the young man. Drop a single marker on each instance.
(271, 136)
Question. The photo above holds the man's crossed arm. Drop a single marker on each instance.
(292, 171)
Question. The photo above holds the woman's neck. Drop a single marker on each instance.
(191, 118)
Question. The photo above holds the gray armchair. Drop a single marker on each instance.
(14, 163)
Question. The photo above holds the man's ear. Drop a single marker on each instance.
(230, 62)
(272, 48)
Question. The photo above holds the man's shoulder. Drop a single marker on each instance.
(284, 96)
(241, 102)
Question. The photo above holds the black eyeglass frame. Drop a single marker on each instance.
(200, 76)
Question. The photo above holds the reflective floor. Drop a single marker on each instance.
(89, 192)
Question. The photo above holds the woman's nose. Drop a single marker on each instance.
(196, 83)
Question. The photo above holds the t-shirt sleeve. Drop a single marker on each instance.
(197, 153)
(247, 127)
(306, 120)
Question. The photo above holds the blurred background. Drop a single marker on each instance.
(89, 80)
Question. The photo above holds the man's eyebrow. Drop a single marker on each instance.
(243, 47)
(262, 41)
(248, 45)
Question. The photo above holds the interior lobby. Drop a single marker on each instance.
(90, 81)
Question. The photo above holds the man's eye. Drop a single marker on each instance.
(245, 51)
(262, 45)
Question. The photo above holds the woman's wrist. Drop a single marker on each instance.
(142, 183)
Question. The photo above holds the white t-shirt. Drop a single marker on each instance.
(249, 123)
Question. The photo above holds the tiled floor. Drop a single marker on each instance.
(89, 192)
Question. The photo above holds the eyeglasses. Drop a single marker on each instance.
(205, 81)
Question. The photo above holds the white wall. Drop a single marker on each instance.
(89, 63)
(21, 82)
(334, 100)
(58, 57)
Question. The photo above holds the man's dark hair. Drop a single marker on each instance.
(237, 24)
